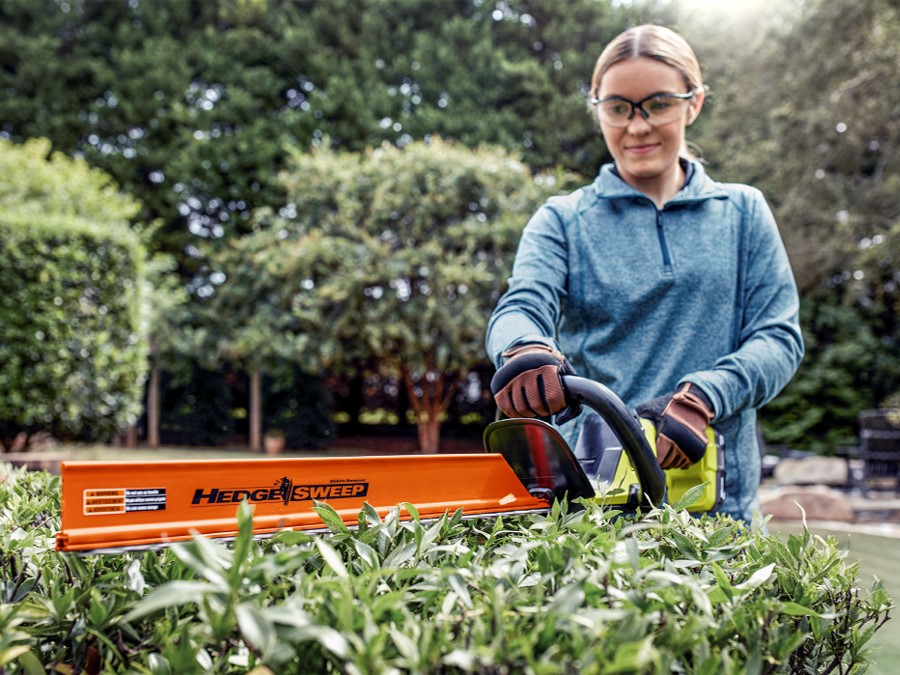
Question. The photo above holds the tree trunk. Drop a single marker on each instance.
(429, 399)
(255, 410)
(429, 436)
(153, 407)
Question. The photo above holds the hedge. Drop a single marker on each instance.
(72, 347)
(569, 592)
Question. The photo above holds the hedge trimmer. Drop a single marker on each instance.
(109, 506)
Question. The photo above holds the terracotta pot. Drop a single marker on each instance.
(273, 445)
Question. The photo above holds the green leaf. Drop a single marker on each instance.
(464, 659)
(431, 534)
(171, 594)
(754, 665)
(405, 646)
(758, 578)
(685, 545)
(411, 508)
(634, 553)
(459, 587)
(368, 554)
(328, 637)
(134, 578)
(691, 497)
(723, 583)
(793, 609)
(30, 663)
(371, 514)
(632, 657)
(721, 535)
(400, 555)
(256, 628)
(331, 518)
(241, 549)
(158, 664)
(207, 559)
(292, 537)
(10, 654)
(569, 598)
(288, 614)
(332, 559)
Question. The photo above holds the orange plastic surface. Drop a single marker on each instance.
(132, 504)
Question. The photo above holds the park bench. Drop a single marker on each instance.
(879, 450)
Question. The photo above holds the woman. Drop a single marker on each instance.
(673, 290)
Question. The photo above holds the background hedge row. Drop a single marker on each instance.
(73, 350)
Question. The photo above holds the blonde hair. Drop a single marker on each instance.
(655, 42)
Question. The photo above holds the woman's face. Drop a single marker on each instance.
(647, 156)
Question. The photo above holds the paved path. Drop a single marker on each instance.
(877, 513)
(890, 530)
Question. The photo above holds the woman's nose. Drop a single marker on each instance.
(637, 125)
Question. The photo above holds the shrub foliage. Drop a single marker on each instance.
(72, 352)
(568, 592)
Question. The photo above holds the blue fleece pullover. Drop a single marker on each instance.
(643, 299)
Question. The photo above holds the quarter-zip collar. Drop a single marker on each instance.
(700, 187)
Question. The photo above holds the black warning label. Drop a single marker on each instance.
(123, 500)
(145, 499)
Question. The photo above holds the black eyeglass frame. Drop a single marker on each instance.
(638, 105)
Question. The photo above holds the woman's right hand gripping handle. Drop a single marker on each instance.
(530, 384)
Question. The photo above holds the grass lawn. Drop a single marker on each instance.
(877, 556)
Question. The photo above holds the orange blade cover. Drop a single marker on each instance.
(137, 504)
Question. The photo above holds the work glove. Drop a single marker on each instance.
(529, 384)
(681, 420)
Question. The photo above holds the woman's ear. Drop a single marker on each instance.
(696, 105)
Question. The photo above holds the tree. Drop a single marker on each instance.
(166, 317)
(802, 106)
(249, 322)
(189, 103)
(392, 255)
(801, 110)
(847, 369)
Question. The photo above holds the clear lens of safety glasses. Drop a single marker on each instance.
(657, 109)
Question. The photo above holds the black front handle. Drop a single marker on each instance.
(627, 427)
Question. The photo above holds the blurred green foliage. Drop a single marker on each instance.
(72, 354)
(195, 107)
(190, 104)
(392, 257)
(803, 105)
(72, 340)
